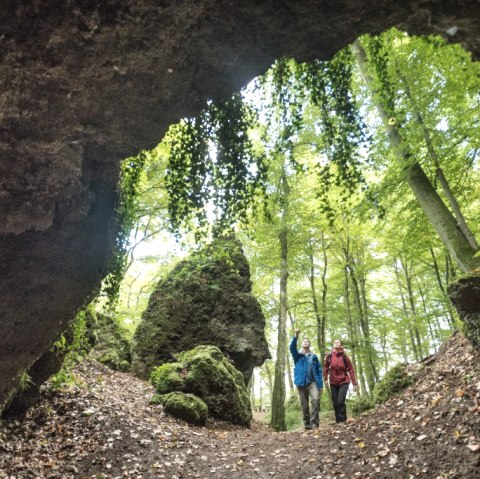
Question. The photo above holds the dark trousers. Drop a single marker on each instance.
(339, 395)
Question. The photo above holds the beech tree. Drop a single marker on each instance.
(352, 194)
(441, 218)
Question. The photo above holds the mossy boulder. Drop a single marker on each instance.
(465, 295)
(395, 381)
(168, 377)
(111, 343)
(206, 373)
(188, 407)
(206, 299)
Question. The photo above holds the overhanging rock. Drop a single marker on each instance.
(85, 84)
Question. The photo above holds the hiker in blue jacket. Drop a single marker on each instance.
(308, 379)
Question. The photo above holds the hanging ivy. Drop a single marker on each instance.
(378, 58)
(330, 84)
(213, 169)
(214, 173)
(327, 86)
(130, 174)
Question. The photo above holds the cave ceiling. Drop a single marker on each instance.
(85, 84)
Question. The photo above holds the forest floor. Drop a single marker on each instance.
(106, 429)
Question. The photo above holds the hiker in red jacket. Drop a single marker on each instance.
(340, 368)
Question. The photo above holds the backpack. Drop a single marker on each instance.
(329, 360)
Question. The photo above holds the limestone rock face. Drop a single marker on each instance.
(111, 346)
(465, 295)
(206, 299)
(207, 374)
(86, 84)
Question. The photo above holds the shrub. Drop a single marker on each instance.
(361, 404)
(392, 383)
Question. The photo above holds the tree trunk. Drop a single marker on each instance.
(383, 341)
(251, 385)
(324, 296)
(366, 315)
(448, 304)
(363, 332)
(441, 218)
(452, 201)
(433, 332)
(413, 308)
(405, 310)
(360, 302)
(353, 336)
(289, 374)
(432, 205)
(278, 399)
(320, 318)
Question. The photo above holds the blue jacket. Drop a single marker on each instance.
(301, 367)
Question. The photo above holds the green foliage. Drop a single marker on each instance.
(188, 407)
(125, 213)
(74, 346)
(111, 342)
(324, 88)
(360, 404)
(212, 162)
(394, 381)
(25, 382)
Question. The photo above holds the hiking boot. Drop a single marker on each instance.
(308, 427)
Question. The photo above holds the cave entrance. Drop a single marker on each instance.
(329, 173)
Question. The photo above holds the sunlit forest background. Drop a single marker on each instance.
(316, 169)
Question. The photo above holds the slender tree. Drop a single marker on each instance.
(429, 200)
(278, 399)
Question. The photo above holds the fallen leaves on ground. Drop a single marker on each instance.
(107, 429)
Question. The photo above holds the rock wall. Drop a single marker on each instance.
(465, 295)
(205, 300)
(84, 84)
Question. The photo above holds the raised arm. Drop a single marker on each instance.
(293, 346)
(294, 350)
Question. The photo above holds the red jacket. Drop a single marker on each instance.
(339, 374)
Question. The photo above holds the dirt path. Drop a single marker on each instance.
(107, 429)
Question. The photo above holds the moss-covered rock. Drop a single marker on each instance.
(168, 377)
(111, 343)
(206, 299)
(395, 381)
(465, 295)
(206, 373)
(188, 407)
